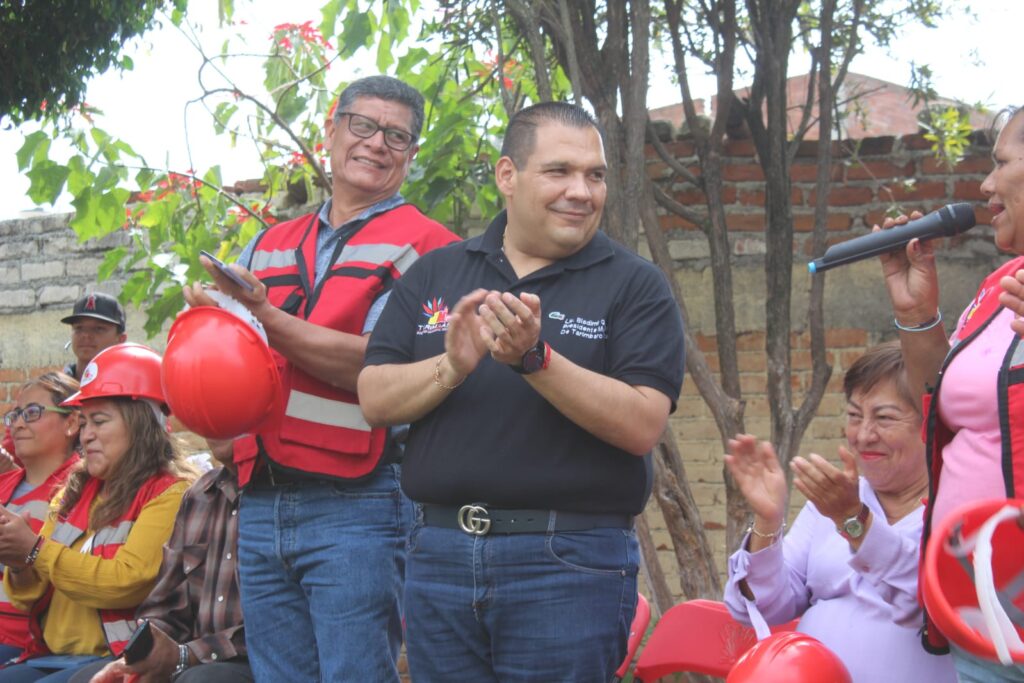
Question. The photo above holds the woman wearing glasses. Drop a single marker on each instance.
(45, 436)
(98, 553)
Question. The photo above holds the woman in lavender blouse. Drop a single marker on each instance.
(848, 566)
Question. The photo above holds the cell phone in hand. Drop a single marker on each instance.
(140, 644)
(227, 272)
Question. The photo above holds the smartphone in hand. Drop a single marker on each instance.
(227, 272)
(140, 644)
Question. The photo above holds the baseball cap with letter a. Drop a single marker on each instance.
(99, 306)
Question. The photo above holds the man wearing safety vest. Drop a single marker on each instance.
(323, 522)
(538, 364)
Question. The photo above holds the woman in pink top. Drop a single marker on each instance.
(972, 381)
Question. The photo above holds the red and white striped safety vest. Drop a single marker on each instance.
(323, 431)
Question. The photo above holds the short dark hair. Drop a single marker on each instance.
(882, 363)
(521, 134)
(384, 88)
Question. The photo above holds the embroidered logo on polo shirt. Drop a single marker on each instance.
(587, 329)
(437, 316)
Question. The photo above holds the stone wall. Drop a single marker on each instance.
(43, 269)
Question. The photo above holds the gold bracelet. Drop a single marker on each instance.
(772, 536)
(437, 376)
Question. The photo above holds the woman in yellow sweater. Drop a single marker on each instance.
(98, 554)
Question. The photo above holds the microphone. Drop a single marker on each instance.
(950, 220)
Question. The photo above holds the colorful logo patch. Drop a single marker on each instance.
(975, 304)
(88, 375)
(436, 312)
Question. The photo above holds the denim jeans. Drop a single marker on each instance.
(63, 670)
(214, 672)
(519, 607)
(973, 669)
(321, 567)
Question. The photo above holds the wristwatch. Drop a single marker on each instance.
(183, 660)
(853, 527)
(535, 359)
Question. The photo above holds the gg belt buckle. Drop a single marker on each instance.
(473, 520)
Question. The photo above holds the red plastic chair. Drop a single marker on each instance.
(698, 636)
(637, 629)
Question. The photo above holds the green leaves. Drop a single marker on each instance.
(355, 33)
(51, 49)
(98, 213)
(47, 180)
(170, 215)
(949, 130)
(111, 260)
(34, 148)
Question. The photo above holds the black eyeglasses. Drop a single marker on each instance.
(365, 127)
(31, 413)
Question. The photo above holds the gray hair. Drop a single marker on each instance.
(1003, 119)
(521, 134)
(383, 88)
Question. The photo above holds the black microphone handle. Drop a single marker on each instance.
(945, 222)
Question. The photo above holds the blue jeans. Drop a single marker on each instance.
(9, 652)
(49, 668)
(519, 607)
(321, 567)
(973, 669)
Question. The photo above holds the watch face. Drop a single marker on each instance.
(533, 360)
(853, 527)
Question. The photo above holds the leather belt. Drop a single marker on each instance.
(270, 475)
(479, 520)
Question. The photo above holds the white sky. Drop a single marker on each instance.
(972, 59)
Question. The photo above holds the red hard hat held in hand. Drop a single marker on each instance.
(127, 369)
(789, 657)
(219, 375)
(954, 586)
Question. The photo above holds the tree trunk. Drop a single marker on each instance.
(698, 576)
(654, 577)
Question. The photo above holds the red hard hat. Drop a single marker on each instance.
(961, 600)
(789, 657)
(219, 375)
(127, 369)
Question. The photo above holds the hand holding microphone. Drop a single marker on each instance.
(950, 220)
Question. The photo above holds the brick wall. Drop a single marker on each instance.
(43, 269)
(878, 175)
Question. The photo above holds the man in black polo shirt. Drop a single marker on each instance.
(538, 364)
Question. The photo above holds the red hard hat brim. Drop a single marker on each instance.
(126, 370)
(947, 588)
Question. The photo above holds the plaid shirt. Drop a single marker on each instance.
(196, 600)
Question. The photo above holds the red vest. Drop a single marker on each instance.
(322, 430)
(117, 624)
(1010, 397)
(13, 622)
